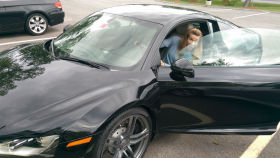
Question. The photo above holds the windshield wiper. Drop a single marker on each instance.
(91, 64)
(2, 126)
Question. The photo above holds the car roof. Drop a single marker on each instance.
(161, 14)
(7, 3)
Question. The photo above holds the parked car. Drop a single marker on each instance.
(98, 90)
(30, 15)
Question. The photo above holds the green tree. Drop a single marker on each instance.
(247, 2)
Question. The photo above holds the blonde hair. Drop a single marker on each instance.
(183, 41)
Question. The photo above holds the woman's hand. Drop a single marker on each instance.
(161, 63)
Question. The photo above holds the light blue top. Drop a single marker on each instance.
(171, 54)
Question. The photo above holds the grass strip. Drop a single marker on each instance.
(233, 3)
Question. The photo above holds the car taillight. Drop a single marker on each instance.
(58, 4)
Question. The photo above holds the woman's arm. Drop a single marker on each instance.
(166, 43)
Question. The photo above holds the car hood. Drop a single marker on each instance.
(35, 88)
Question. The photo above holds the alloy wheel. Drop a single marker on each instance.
(37, 24)
(128, 139)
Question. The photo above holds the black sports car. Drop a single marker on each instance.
(33, 16)
(98, 90)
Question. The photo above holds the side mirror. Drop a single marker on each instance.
(67, 27)
(182, 68)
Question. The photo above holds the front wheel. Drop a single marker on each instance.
(126, 136)
(36, 24)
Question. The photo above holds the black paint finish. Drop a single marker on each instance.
(42, 95)
(220, 98)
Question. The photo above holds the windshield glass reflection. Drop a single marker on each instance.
(107, 39)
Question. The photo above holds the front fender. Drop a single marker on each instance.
(111, 104)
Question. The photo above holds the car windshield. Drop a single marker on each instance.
(238, 47)
(107, 39)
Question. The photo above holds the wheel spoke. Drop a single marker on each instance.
(42, 21)
(118, 154)
(131, 125)
(32, 25)
(136, 138)
(125, 154)
(129, 149)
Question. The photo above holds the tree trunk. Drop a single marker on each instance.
(247, 2)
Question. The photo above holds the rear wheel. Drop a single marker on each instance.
(36, 24)
(126, 136)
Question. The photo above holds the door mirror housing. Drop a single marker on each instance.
(67, 27)
(182, 68)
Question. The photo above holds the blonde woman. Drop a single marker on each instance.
(180, 47)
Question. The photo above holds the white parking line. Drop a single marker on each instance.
(25, 41)
(240, 17)
(68, 19)
(254, 150)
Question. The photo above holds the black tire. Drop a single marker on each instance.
(36, 24)
(117, 139)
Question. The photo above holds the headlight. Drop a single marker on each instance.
(30, 146)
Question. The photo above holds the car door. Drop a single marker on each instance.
(15, 17)
(235, 88)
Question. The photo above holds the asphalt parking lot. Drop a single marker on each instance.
(180, 145)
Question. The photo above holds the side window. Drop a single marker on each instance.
(224, 26)
(226, 48)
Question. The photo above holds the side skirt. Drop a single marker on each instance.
(256, 130)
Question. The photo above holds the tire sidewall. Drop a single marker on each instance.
(97, 150)
(27, 28)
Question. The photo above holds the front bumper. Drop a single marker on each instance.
(61, 151)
